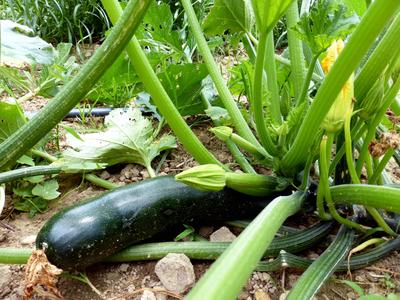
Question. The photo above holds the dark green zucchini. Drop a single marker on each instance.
(88, 232)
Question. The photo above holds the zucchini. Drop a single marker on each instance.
(88, 232)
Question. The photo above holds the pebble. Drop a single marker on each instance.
(123, 268)
(5, 275)
(222, 235)
(175, 272)
(28, 240)
(105, 175)
(261, 295)
(148, 295)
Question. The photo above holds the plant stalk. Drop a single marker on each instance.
(229, 273)
(240, 123)
(160, 97)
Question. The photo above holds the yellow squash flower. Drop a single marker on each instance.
(334, 120)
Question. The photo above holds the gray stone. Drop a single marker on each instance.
(5, 275)
(148, 295)
(175, 272)
(222, 235)
(28, 240)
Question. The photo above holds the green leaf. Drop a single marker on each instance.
(187, 233)
(35, 179)
(183, 84)
(11, 119)
(232, 15)
(156, 29)
(359, 6)
(26, 160)
(20, 47)
(268, 12)
(47, 191)
(327, 21)
(24, 191)
(358, 289)
(71, 131)
(128, 138)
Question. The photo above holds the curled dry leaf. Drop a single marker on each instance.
(388, 140)
(41, 273)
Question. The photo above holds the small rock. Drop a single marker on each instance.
(160, 296)
(147, 295)
(264, 276)
(222, 235)
(175, 272)
(105, 175)
(123, 268)
(261, 295)
(144, 174)
(5, 276)
(28, 240)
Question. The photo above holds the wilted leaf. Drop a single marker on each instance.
(128, 138)
(20, 47)
(232, 15)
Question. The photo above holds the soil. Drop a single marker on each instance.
(126, 279)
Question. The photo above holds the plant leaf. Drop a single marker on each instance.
(47, 190)
(327, 21)
(358, 289)
(359, 6)
(183, 84)
(128, 138)
(11, 119)
(19, 46)
(232, 15)
(268, 12)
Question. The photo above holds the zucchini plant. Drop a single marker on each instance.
(333, 102)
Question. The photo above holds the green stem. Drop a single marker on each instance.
(327, 194)
(48, 117)
(364, 149)
(100, 182)
(377, 196)
(44, 154)
(255, 184)
(381, 166)
(240, 123)
(389, 98)
(259, 117)
(286, 62)
(272, 80)
(356, 132)
(349, 149)
(374, 21)
(296, 52)
(387, 49)
(28, 172)
(355, 179)
(229, 273)
(306, 83)
(160, 97)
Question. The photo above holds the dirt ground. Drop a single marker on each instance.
(123, 281)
